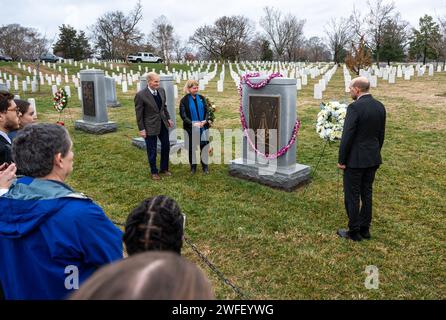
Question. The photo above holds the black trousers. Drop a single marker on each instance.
(192, 144)
(358, 190)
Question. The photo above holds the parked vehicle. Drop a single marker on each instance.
(49, 57)
(144, 57)
(5, 58)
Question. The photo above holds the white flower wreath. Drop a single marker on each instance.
(330, 120)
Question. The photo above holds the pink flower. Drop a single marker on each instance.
(260, 85)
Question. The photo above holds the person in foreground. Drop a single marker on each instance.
(7, 176)
(48, 232)
(156, 224)
(360, 157)
(147, 276)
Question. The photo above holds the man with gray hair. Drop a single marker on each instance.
(153, 121)
(51, 237)
(360, 157)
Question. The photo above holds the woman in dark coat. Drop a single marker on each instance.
(193, 111)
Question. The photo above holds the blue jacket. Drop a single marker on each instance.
(46, 230)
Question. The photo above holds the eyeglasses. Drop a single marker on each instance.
(15, 109)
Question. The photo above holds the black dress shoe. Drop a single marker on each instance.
(347, 234)
(206, 170)
(193, 170)
(365, 233)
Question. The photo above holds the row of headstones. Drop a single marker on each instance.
(97, 91)
(106, 88)
(373, 79)
(33, 83)
(390, 74)
(321, 86)
(300, 73)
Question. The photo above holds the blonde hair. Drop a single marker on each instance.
(189, 84)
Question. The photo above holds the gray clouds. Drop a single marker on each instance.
(188, 15)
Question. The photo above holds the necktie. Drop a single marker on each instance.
(155, 93)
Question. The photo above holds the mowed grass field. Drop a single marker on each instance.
(278, 245)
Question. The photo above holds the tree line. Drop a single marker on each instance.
(377, 34)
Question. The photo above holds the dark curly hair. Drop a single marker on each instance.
(156, 224)
(5, 100)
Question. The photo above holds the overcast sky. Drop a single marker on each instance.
(187, 15)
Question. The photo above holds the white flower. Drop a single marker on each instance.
(330, 121)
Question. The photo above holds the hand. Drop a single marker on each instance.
(143, 133)
(197, 124)
(342, 166)
(7, 175)
(170, 123)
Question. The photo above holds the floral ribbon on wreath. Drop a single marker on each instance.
(257, 86)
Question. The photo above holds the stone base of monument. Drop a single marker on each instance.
(140, 143)
(113, 104)
(287, 179)
(95, 128)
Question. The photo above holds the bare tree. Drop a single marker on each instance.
(227, 39)
(20, 42)
(163, 37)
(204, 37)
(359, 27)
(180, 48)
(315, 50)
(129, 32)
(338, 33)
(296, 36)
(442, 44)
(284, 32)
(379, 14)
(117, 34)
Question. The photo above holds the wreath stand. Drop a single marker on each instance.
(60, 103)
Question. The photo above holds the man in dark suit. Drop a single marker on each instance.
(153, 122)
(9, 121)
(360, 157)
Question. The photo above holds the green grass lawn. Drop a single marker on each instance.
(279, 245)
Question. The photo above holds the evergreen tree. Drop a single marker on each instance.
(82, 48)
(267, 53)
(72, 44)
(424, 40)
(394, 41)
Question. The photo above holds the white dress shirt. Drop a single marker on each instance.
(4, 135)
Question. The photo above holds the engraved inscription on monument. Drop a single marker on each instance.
(264, 113)
(88, 98)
